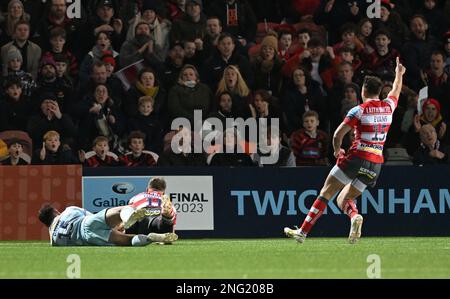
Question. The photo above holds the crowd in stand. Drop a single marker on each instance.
(103, 89)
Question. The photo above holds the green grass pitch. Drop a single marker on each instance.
(230, 259)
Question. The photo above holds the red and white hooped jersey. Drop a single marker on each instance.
(150, 198)
(371, 121)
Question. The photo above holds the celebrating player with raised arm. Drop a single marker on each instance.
(361, 165)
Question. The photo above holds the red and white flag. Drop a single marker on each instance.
(128, 75)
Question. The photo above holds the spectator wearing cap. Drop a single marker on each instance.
(14, 70)
(14, 14)
(142, 46)
(191, 26)
(173, 64)
(31, 53)
(49, 83)
(225, 55)
(417, 51)
(103, 43)
(105, 19)
(15, 107)
(51, 118)
(391, 22)
(160, 27)
(75, 28)
(237, 18)
(110, 61)
(267, 66)
(58, 47)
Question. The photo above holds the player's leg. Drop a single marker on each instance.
(345, 200)
(138, 210)
(346, 203)
(332, 185)
(112, 217)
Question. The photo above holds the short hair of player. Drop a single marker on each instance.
(310, 113)
(136, 135)
(51, 134)
(372, 86)
(157, 183)
(99, 139)
(47, 214)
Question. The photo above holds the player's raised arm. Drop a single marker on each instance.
(338, 135)
(398, 82)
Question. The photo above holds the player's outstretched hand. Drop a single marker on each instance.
(400, 69)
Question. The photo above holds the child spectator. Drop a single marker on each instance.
(310, 145)
(52, 153)
(57, 42)
(62, 63)
(101, 156)
(284, 46)
(349, 39)
(16, 108)
(14, 62)
(103, 44)
(381, 62)
(148, 122)
(364, 33)
(137, 157)
(15, 150)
